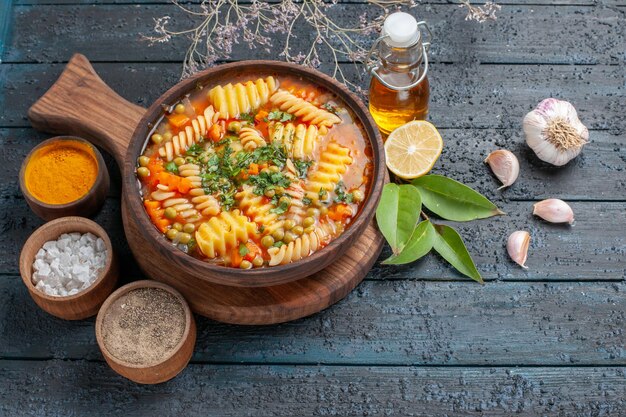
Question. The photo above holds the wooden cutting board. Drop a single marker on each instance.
(109, 121)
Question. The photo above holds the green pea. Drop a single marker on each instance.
(308, 221)
(280, 190)
(312, 212)
(257, 261)
(143, 172)
(309, 229)
(143, 161)
(184, 238)
(172, 233)
(189, 228)
(156, 138)
(179, 161)
(274, 168)
(284, 200)
(234, 127)
(289, 224)
(358, 195)
(177, 226)
(267, 241)
(270, 193)
(298, 230)
(170, 213)
(167, 136)
(245, 264)
(180, 108)
(323, 210)
(289, 237)
(278, 234)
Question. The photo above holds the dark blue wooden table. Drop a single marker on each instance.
(412, 340)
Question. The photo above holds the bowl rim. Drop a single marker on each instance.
(230, 275)
(125, 289)
(99, 177)
(26, 266)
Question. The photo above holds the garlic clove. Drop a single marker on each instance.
(504, 165)
(554, 210)
(517, 247)
(554, 131)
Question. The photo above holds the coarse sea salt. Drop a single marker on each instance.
(69, 265)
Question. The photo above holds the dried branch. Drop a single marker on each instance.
(482, 13)
(222, 24)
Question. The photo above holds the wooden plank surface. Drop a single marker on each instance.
(56, 388)
(384, 323)
(593, 249)
(423, 2)
(587, 35)
(472, 96)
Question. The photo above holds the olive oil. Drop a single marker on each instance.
(391, 109)
(399, 90)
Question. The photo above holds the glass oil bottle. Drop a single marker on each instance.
(399, 90)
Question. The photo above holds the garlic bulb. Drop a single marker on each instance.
(517, 246)
(554, 211)
(554, 131)
(504, 165)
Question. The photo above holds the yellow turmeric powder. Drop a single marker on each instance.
(61, 172)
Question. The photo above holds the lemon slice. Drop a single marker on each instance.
(412, 149)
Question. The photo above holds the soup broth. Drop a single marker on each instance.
(259, 172)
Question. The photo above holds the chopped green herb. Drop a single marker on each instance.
(306, 201)
(243, 249)
(278, 244)
(268, 181)
(171, 167)
(281, 208)
(340, 194)
(280, 116)
(329, 107)
(194, 150)
(274, 153)
(302, 167)
(322, 193)
(247, 117)
(262, 228)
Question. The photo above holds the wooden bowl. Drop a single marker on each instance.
(113, 130)
(86, 303)
(171, 365)
(161, 260)
(87, 205)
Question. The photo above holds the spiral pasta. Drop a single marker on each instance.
(233, 100)
(250, 138)
(184, 208)
(207, 205)
(299, 140)
(296, 211)
(309, 113)
(298, 249)
(253, 206)
(224, 232)
(190, 135)
(333, 163)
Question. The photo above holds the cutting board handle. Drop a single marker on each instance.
(79, 103)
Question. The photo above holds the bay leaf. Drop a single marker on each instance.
(449, 244)
(452, 200)
(420, 243)
(397, 214)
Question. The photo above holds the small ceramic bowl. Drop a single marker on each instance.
(85, 206)
(170, 365)
(78, 306)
